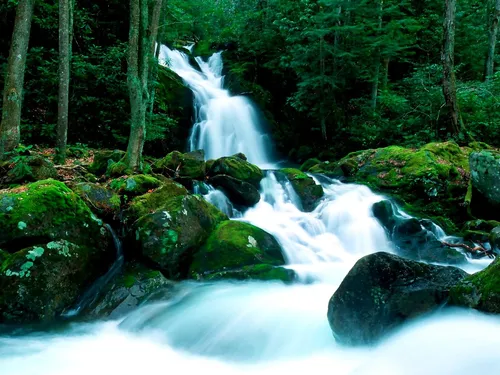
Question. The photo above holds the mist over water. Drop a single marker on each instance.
(265, 328)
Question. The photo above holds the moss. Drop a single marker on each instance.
(100, 199)
(103, 159)
(262, 272)
(234, 245)
(134, 185)
(118, 169)
(176, 164)
(308, 164)
(30, 168)
(308, 191)
(237, 168)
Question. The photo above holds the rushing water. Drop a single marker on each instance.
(239, 328)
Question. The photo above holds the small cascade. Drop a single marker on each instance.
(218, 199)
(92, 293)
(225, 124)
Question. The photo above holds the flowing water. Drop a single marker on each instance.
(239, 328)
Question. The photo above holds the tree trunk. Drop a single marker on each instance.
(14, 81)
(385, 78)
(376, 68)
(65, 39)
(448, 60)
(156, 17)
(492, 41)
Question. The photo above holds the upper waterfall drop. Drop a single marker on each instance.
(224, 124)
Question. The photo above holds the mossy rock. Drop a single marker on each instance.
(307, 190)
(29, 169)
(237, 168)
(234, 245)
(134, 185)
(40, 282)
(308, 164)
(262, 272)
(430, 181)
(240, 193)
(494, 238)
(168, 237)
(151, 202)
(47, 211)
(479, 291)
(178, 165)
(485, 176)
(103, 159)
(134, 286)
(99, 199)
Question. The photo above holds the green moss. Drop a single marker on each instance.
(237, 168)
(262, 272)
(118, 169)
(308, 191)
(308, 164)
(134, 185)
(103, 159)
(100, 199)
(176, 164)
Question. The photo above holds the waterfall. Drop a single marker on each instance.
(224, 124)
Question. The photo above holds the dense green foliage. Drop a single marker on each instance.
(311, 65)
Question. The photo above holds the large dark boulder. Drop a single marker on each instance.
(485, 177)
(241, 251)
(239, 192)
(414, 238)
(304, 186)
(103, 201)
(382, 291)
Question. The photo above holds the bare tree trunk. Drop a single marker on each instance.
(322, 96)
(156, 19)
(14, 81)
(492, 41)
(448, 60)
(65, 40)
(376, 68)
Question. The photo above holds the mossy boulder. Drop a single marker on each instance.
(41, 282)
(305, 187)
(47, 211)
(134, 185)
(29, 169)
(494, 239)
(102, 201)
(134, 286)
(431, 181)
(382, 291)
(239, 250)
(103, 159)
(185, 166)
(240, 193)
(238, 168)
(168, 237)
(485, 177)
(308, 164)
(480, 291)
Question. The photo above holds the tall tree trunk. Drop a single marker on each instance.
(385, 77)
(448, 60)
(376, 68)
(322, 97)
(492, 41)
(156, 17)
(14, 81)
(65, 41)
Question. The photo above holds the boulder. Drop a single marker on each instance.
(134, 185)
(307, 190)
(237, 168)
(382, 291)
(101, 200)
(239, 250)
(485, 174)
(185, 166)
(480, 291)
(168, 237)
(414, 238)
(309, 163)
(494, 239)
(103, 159)
(29, 169)
(239, 192)
(133, 287)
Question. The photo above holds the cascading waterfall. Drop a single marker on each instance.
(225, 125)
(241, 328)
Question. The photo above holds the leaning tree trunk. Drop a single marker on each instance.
(65, 39)
(448, 60)
(14, 81)
(492, 41)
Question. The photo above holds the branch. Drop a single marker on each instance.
(473, 250)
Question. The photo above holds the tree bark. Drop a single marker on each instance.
(376, 68)
(385, 78)
(492, 41)
(65, 40)
(448, 60)
(14, 81)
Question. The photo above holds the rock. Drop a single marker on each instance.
(103, 159)
(237, 168)
(413, 238)
(382, 291)
(240, 155)
(178, 165)
(494, 239)
(480, 291)
(101, 200)
(485, 174)
(168, 237)
(263, 272)
(308, 164)
(29, 169)
(308, 192)
(239, 192)
(234, 250)
(430, 182)
(134, 185)
(134, 286)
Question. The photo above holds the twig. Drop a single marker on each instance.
(476, 249)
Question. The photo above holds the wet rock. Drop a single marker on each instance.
(382, 291)
(307, 190)
(237, 168)
(102, 201)
(185, 166)
(494, 239)
(239, 192)
(103, 159)
(134, 185)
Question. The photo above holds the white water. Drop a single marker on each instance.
(268, 328)
(225, 124)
